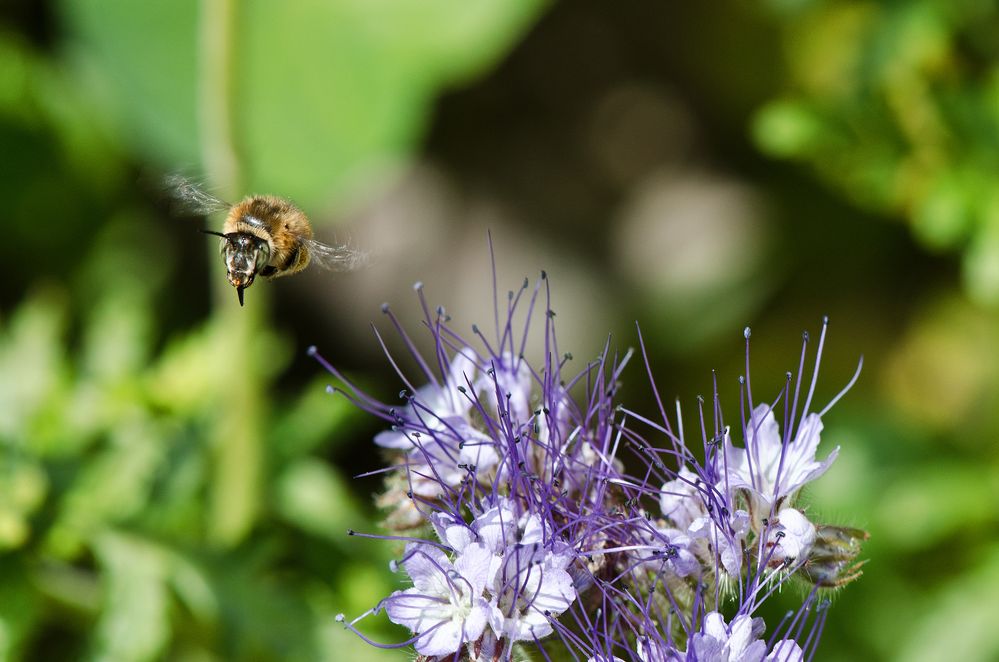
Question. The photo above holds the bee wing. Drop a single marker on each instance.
(190, 198)
(336, 258)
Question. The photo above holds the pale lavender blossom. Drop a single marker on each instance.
(445, 608)
(790, 538)
(682, 500)
(770, 467)
(435, 406)
(538, 512)
(530, 588)
(739, 641)
(724, 540)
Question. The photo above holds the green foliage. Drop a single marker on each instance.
(321, 92)
(160, 498)
(164, 495)
(107, 460)
(897, 106)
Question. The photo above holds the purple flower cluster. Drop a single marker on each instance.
(536, 512)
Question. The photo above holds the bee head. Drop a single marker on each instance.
(244, 255)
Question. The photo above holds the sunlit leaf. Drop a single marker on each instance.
(351, 89)
(912, 512)
(134, 623)
(958, 622)
(316, 420)
(20, 608)
(30, 348)
(313, 497)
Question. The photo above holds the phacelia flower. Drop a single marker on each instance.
(537, 511)
(770, 467)
(445, 607)
(738, 642)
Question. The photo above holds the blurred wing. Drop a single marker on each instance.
(191, 199)
(336, 258)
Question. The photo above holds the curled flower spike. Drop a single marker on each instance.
(537, 512)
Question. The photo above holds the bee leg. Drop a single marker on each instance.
(268, 271)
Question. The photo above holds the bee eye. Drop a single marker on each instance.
(263, 255)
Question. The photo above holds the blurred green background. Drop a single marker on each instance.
(176, 484)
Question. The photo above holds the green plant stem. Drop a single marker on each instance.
(234, 500)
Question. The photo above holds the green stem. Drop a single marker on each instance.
(236, 435)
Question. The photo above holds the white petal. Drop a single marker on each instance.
(496, 527)
(425, 565)
(714, 626)
(475, 565)
(449, 636)
(681, 501)
(786, 650)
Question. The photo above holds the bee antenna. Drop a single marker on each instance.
(217, 234)
(239, 293)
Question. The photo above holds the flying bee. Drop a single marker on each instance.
(263, 235)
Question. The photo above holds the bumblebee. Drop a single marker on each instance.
(263, 235)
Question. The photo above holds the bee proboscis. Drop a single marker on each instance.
(263, 235)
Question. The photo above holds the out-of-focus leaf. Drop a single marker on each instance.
(149, 73)
(945, 216)
(193, 373)
(787, 128)
(981, 262)
(193, 587)
(23, 485)
(112, 487)
(901, 117)
(31, 360)
(959, 619)
(351, 89)
(20, 607)
(315, 420)
(134, 623)
(313, 497)
(934, 379)
(924, 507)
(248, 598)
(38, 92)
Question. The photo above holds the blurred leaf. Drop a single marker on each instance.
(30, 349)
(316, 420)
(114, 486)
(959, 619)
(787, 129)
(19, 609)
(194, 587)
(911, 511)
(934, 379)
(38, 93)
(23, 486)
(350, 92)
(945, 216)
(150, 75)
(893, 104)
(313, 497)
(981, 262)
(261, 619)
(134, 623)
